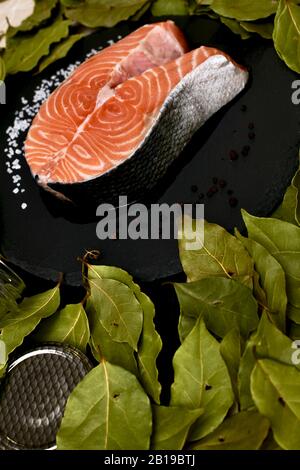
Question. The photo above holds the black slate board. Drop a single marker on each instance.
(45, 240)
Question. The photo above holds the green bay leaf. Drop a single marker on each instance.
(247, 364)
(287, 33)
(202, 8)
(244, 431)
(204, 2)
(247, 10)
(42, 11)
(170, 7)
(2, 69)
(100, 13)
(3, 355)
(23, 52)
(289, 210)
(140, 13)
(108, 410)
(225, 304)
(102, 345)
(149, 345)
(112, 3)
(268, 342)
(69, 326)
(222, 255)
(40, 305)
(31, 311)
(171, 426)
(265, 30)
(272, 279)
(8, 305)
(201, 380)
(71, 3)
(235, 27)
(275, 390)
(282, 240)
(60, 51)
(231, 351)
(121, 313)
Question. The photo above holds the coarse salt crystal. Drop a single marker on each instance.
(16, 178)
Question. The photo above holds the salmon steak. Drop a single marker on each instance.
(116, 125)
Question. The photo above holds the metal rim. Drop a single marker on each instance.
(67, 352)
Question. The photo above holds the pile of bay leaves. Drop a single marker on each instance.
(36, 33)
(237, 370)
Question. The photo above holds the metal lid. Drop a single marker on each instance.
(34, 393)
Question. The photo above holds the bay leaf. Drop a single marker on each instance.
(222, 255)
(11, 286)
(265, 30)
(275, 390)
(141, 12)
(150, 344)
(112, 3)
(3, 354)
(247, 10)
(60, 51)
(201, 380)
(69, 325)
(8, 304)
(170, 7)
(171, 426)
(121, 313)
(286, 210)
(108, 410)
(247, 364)
(185, 325)
(204, 2)
(225, 304)
(287, 33)
(31, 311)
(202, 8)
(70, 3)
(42, 11)
(2, 69)
(102, 345)
(23, 52)
(235, 27)
(282, 240)
(231, 351)
(244, 431)
(101, 13)
(272, 278)
(258, 292)
(40, 305)
(289, 210)
(267, 342)
(272, 343)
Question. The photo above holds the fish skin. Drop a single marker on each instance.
(197, 97)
